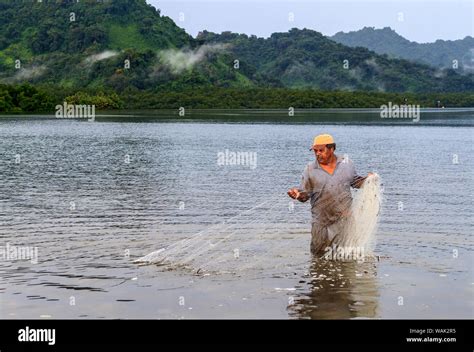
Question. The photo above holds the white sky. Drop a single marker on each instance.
(417, 20)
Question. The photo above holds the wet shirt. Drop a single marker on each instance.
(330, 195)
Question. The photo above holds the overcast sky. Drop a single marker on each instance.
(417, 20)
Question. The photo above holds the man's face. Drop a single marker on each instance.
(323, 153)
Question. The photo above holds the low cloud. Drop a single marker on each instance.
(468, 61)
(100, 56)
(24, 74)
(181, 60)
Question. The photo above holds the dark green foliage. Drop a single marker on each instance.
(24, 98)
(283, 98)
(51, 28)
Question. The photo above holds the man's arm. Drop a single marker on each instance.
(303, 192)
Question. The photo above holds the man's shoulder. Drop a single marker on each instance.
(346, 164)
(311, 165)
(344, 159)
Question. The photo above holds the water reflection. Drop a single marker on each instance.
(338, 290)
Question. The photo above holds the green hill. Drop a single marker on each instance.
(86, 44)
(307, 59)
(439, 54)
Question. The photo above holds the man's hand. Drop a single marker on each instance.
(359, 181)
(375, 175)
(295, 194)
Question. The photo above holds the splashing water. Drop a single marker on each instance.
(267, 236)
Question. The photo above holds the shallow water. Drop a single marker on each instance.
(95, 196)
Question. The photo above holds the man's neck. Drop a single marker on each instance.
(331, 162)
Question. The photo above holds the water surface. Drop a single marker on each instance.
(94, 196)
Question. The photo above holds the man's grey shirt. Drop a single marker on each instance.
(330, 195)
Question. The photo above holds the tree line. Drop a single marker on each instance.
(26, 98)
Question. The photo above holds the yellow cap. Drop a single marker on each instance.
(323, 139)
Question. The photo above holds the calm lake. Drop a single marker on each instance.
(91, 197)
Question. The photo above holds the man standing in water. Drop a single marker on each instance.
(327, 182)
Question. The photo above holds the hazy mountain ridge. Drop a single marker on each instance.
(440, 53)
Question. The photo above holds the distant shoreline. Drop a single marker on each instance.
(277, 112)
(26, 99)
